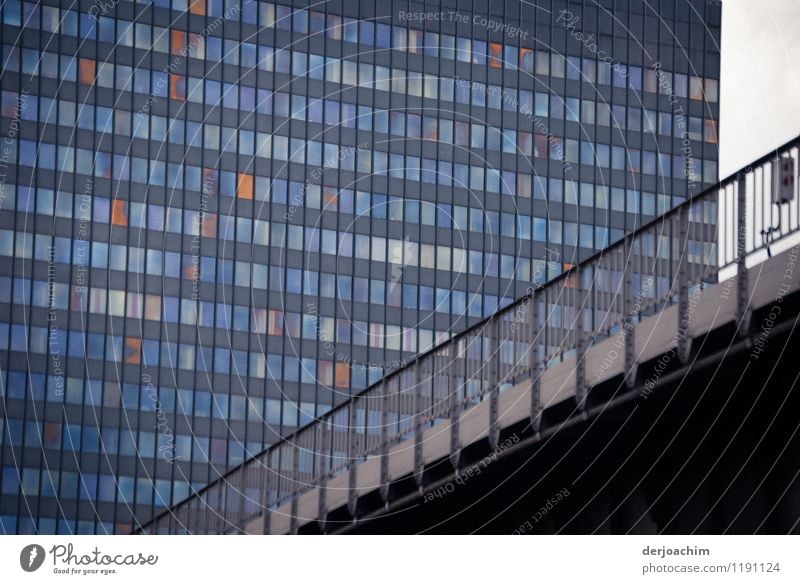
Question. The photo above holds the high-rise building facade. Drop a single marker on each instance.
(220, 218)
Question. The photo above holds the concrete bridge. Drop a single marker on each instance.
(648, 389)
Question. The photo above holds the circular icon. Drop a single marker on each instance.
(31, 557)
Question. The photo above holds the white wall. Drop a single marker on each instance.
(760, 89)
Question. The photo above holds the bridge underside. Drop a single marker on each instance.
(715, 451)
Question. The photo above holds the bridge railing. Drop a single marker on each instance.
(634, 278)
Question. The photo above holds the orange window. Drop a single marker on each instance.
(197, 7)
(540, 145)
(78, 298)
(325, 373)
(695, 88)
(275, 322)
(119, 213)
(178, 42)
(572, 280)
(245, 188)
(495, 55)
(192, 270)
(711, 132)
(259, 320)
(133, 351)
(414, 41)
(52, 434)
(88, 69)
(329, 197)
(342, 375)
(177, 87)
(430, 128)
(712, 89)
(152, 306)
(526, 60)
(209, 225)
(525, 143)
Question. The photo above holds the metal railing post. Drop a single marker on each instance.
(534, 365)
(204, 514)
(684, 339)
(580, 343)
(628, 317)
(352, 498)
(322, 503)
(455, 408)
(219, 516)
(384, 482)
(266, 482)
(743, 312)
(296, 488)
(494, 387)
(419, 465)
(240, 503)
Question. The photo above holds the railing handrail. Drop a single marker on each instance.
(532, 291)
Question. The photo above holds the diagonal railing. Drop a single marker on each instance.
(649, 269)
